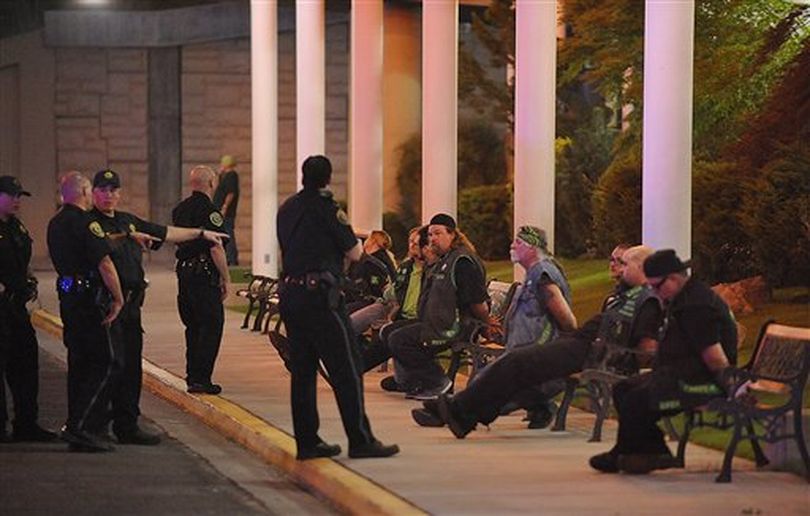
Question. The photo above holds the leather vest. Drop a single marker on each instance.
(618, 321)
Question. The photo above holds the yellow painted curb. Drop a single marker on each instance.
(347, 489)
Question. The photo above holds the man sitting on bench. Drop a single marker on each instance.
(631, 317)
(699, 342)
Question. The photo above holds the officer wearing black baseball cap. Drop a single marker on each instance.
(18, 341)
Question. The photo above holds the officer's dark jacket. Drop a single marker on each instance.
(126, 253)
(76, 242)
(696, 318)
(314, 233)
(196, 211)
(440, 309)
(15, 255)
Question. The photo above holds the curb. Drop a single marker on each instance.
(349, 491)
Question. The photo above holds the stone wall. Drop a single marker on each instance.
(101, 118)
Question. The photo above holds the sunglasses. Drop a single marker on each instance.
(657, 285)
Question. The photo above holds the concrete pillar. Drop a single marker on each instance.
(165, 174)
(667, 132)
(535, 85)
(439, 107)
(310, 81)
(264, 117)
(365, 116)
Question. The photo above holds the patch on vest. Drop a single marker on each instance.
(215, 218)
(342, 217)
(23, 230)
(132, 228)
(95, 228)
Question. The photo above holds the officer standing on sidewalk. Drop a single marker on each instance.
(89, 301)
(203, 281)
(315, 238)
(19, 360)
(125, 232)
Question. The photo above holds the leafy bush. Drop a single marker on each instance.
(617, 203)
(398, 229)
(485, 216)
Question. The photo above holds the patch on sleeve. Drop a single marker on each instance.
(342, 217)
(215, 218)
(132, 228)
(95, 228)
(23, 229)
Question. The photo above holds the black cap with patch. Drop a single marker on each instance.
(106, 178)
(11, 185)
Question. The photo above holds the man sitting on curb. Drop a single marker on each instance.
(540, 309)
(699, 342)
(631, 317)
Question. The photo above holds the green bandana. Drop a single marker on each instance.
(534, 236)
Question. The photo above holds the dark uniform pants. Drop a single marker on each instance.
(127, 339)
(92, 363)
(200, 305)
(19, 357)
(522, 371)
(317, 332)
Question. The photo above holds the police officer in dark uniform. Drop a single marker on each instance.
(315, 238)
(89, 301)
(203, 281)
(126, 233)
(18, 341)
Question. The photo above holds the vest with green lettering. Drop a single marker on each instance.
(439, 310)
(618, 321)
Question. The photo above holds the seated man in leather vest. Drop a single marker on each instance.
(454, 291)
(631, 316)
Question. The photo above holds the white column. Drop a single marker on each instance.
(439, 107)
(667, 137)
(264, 129)
(365, 116)
(310, 81)
(535, 87)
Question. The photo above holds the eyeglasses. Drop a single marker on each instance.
(657, 285)
(618, 260)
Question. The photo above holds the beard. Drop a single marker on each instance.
(513, 257)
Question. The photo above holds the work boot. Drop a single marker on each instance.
(33, 434)
(137, 436)
(643, 463)
(81, 441)
(390, 384)
(458, 423)
(204, 388)
(542, 416)
(432, 393)
(607, 462)
(374, 449)
(320, 450)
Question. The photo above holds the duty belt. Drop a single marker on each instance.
(75, 284)
(311, 280)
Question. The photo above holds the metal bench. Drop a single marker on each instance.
(252, 293)
(766, 389)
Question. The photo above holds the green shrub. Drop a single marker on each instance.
(617, 203)
(398, 229)
(485, 216)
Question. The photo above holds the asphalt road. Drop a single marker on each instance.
(193, 471)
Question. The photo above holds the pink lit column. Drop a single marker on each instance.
(439, 107)
(264, 127)
(667, 136)
(535, 76)
(310, 81)
(365, 117)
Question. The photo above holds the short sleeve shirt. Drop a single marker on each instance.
(126, 253)
(314, 233)
(15, 254)
(471, 288)
(196, 211)
(228, 184)
(76, 242)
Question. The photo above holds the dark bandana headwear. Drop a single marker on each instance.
(443, 219)
(533, 236)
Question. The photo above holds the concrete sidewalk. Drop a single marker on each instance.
(507, 469)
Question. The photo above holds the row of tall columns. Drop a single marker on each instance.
(666, 198)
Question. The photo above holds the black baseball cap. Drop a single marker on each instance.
(106, 177)
(11, 185)
(443, 219)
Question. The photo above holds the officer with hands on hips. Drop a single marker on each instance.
(90, 299)
(18, 340)
(203, 281)
(315, 239)
(126, 234)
